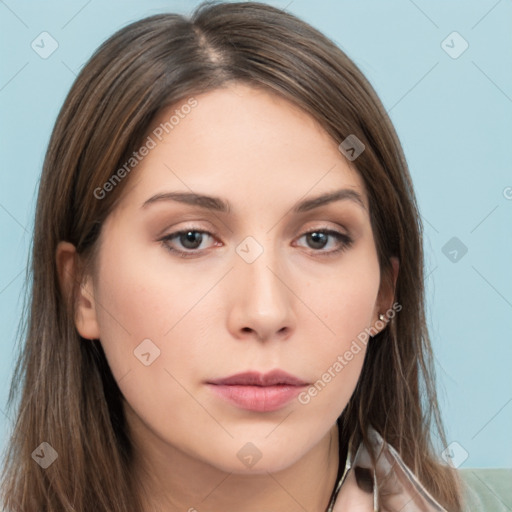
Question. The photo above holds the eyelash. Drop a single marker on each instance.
(344, 240)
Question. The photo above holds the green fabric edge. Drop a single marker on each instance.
(487, 490)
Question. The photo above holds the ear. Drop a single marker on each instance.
(78, 288)
(386, 295)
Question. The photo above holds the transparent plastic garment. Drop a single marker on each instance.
(400, 490)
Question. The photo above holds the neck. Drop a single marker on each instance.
(173, 481)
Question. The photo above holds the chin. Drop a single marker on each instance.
(259, 468)
(247, 459)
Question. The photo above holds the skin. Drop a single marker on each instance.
(212, 315)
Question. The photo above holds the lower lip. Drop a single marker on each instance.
(258, 398)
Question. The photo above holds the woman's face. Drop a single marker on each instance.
(247, 290)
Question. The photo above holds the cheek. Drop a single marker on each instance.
(346, 307)
(140, 311)
(136, 301)
(143, 300)
(344, 298)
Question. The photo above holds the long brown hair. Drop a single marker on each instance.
(64, 391)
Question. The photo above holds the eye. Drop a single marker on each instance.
(189, 239)
(318, 239)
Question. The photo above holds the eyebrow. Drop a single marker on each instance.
(220, 205)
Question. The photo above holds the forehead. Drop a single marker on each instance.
(241, 141)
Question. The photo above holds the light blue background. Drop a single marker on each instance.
(454, 118)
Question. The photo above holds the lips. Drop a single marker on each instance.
(273, 378)
(258, 392)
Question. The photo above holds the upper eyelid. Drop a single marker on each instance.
(209, 232)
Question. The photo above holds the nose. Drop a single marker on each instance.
(261, 300)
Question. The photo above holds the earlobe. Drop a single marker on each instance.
(77, 288)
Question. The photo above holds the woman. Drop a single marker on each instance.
(227, 301)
